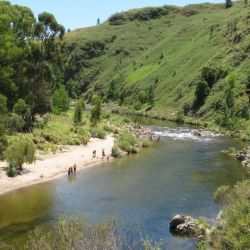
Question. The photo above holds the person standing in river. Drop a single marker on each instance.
(74, 168)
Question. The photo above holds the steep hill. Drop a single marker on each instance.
(191, 61)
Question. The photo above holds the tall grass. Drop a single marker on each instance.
(80, 234)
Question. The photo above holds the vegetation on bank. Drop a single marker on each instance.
(79, 233)
(232, 231)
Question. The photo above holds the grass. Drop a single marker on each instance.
(168, 53)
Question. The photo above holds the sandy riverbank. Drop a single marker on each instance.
(54, 166)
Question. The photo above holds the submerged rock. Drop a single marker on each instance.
(186, 225)
(205, 133)
(244, 157)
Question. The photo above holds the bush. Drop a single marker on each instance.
(23, 110)
(96, 111)
(201, 93)
(127, 142)
(3, 104)
(98, 132)
(20, 151)
(115, 152)
(212, 74)
(12, 169)
(83, 135)
(14, 123)
(78, 113)
(242, 108)
(79, 233)
(60, 100)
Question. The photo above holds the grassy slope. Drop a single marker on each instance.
(186, 43)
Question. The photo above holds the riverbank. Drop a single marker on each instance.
(54, 166)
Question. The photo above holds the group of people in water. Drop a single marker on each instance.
(72, 170)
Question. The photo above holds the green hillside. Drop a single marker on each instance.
(153, 59)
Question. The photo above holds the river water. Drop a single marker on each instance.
(178, 175)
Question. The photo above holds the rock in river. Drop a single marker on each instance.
(186, 225)
(244, 156)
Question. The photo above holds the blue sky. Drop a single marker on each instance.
(82, 13)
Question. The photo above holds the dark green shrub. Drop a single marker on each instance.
(3, 104)
(14, 123)
(115, 152)
(201, 93)
(23, 110)
(78, 113)
(212, 74)
(96, 111)
(12, 169)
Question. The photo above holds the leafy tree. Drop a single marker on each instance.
(96, 111)
(201, 93)
(31, 58)
(61, 100)
(3, 104)
(78, 113)
(23, 110)
(20, 151)
(228, 4)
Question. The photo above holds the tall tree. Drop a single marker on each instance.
(228, 4)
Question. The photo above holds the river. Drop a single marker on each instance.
(178, 175)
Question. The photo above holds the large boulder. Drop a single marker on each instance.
(185, 225)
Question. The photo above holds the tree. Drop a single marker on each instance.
(20, 151)
(98, 21)
(23, 110)
(60, 100)
(96, 111)
(78, 112)
(3, 104)
(31, 58)
(228, 4)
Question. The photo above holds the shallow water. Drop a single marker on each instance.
(178, 175)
